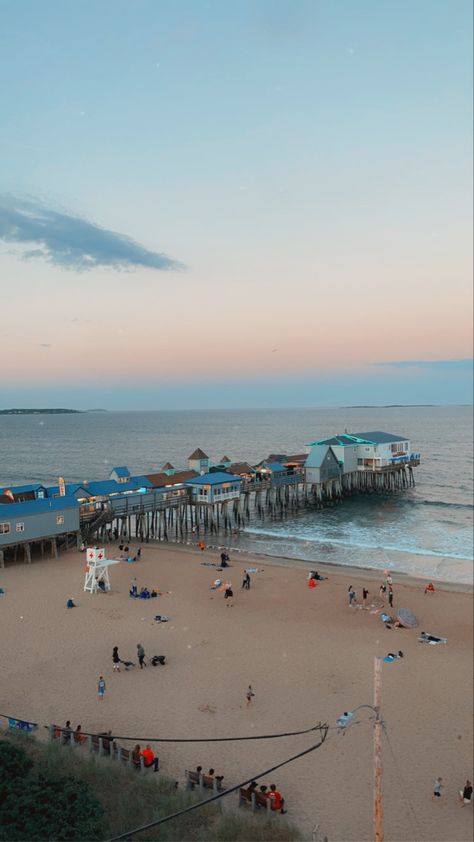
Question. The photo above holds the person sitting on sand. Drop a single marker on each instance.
(392, 657)
(144, 593)
(429, 588)
(70, 604)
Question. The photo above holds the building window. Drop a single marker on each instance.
(60, 520)
(20, 527)
(4, 528)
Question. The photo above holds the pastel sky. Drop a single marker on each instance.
(235, 202)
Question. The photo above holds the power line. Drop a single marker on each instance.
(323, 729)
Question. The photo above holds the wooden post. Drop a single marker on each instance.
(378, 810)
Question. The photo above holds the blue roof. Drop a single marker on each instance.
(378, 437)
(121, 472)
(213, 479)
(103, 487)
(143, 482)
(344, 440)
(71, 488)
(33, 507)
(22, 489)
(275, 467)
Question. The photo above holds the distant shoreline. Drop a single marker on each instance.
(50, 411)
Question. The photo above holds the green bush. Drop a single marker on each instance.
(14, 763)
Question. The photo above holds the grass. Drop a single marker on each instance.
(131, 800)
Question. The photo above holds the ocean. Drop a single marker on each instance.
(425, 531)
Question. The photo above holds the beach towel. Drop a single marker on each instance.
(217, 586)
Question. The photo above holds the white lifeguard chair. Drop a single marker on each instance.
(97, 569)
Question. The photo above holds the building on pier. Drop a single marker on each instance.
(22, 525)
(199, 461)
(368, 451)
(22, 493)
(321, 465)
(217, 487)
(121, 474)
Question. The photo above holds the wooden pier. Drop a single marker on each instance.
(149, 516)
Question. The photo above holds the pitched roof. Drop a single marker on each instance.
(241, 468)
(33, 507)
(217, 478)
(225, 459)
(343, 440)
(159, 480)
(318, 455)
(275, 457)
(71, 489)
(140, 480)
(378, 437)
(198, 454)
(275, 467)
(298, 458)
(121, 472)
(167, 467)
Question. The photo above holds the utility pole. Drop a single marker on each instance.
(378, 811)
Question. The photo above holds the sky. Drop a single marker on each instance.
(209, 203)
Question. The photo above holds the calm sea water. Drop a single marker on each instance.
(426, 530)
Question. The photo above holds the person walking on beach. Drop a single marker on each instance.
(115, 659)
(437, 787)
(141, 655)
(246, 582)
(352, 595)
(249, 695)
(465, 794)
(390, 596)
(383, 590)
(101, 688)
(365, 594)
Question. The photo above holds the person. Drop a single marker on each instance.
(246, 581)
(429, 588)
(149, 758)
(115, 659)
(252, 787)
(211, 773)
(141, 655)
(383, 590)
(79, 737)
(67, 733)
(249, 695)
(145, 593)
(390, 596)
(437, 787)
(352, 595)
(228, 593)
(465, 794)
(431, 638)
(223, 559)
(276, 799)
(134, 589)
(263, 789)
(392, 657)
(139, 554)
(101, 688)
(154, 594)
(120, 547)
(70, 604)
(389, 580)
(365, 594)
(101, 584)
(202, 546)
(136, 758)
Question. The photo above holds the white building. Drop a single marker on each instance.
(321, 465)
(366, 451)
(217, 487)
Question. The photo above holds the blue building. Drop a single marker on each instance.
(35, 522)
(214, 487)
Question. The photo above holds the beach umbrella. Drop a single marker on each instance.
(407, 618)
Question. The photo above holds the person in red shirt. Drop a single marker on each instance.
(149, 758)
(276, 799)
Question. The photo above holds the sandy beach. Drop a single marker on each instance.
(308, 656)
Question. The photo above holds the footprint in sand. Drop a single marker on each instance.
(207, 709)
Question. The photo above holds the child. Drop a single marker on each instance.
(249, 695)
(101, 687)
(437, 787)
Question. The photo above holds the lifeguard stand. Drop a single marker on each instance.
(97, 568)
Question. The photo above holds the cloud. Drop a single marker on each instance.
(45, 345)
(455, 365)
(72, 242)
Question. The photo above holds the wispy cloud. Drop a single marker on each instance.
(70, 241)
(458, 365)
